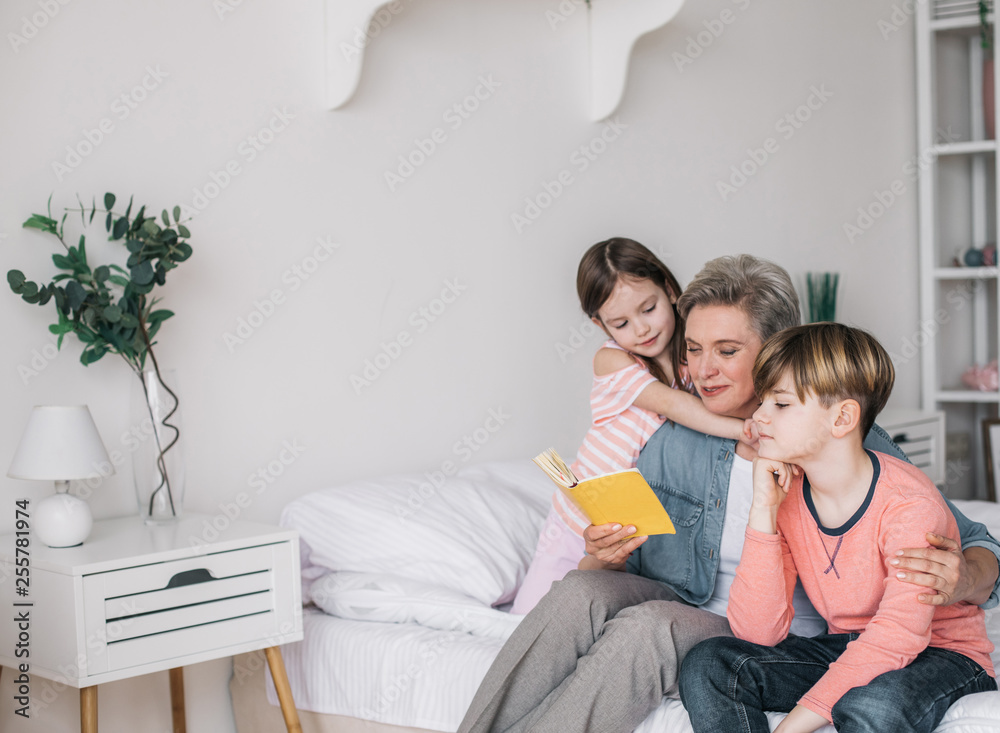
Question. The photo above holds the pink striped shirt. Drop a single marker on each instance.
(617, 433)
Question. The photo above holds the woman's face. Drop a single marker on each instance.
(721, 349)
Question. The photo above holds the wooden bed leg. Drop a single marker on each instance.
(277, 665)
(88, 709)
(177, 700)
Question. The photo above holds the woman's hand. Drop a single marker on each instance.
(952, 576)
(608, 546)
(771, 482)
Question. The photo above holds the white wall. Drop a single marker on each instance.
(495, 347)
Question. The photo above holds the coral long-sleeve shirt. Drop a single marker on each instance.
(845, 574)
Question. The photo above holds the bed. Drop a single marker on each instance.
(407, 579)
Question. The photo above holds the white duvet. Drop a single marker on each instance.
(410, 627)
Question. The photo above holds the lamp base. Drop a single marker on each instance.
(62, 520)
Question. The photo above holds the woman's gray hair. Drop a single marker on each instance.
(762, 289)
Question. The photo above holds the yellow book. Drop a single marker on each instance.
(623, 496)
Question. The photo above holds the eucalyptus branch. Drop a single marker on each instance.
(110, 308)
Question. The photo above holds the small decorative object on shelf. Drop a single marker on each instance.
(111, 310)
(972, 257)
(821, 289)
(982, 378)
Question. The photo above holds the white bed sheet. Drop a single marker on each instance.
(410, 675)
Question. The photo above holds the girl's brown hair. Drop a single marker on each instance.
(599, 271)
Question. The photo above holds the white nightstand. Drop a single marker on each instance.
(921, 437)
(135, 599)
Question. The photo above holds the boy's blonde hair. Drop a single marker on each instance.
(831, 361)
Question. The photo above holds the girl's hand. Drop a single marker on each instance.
(750, 433)
(771, 482)
(607, 546)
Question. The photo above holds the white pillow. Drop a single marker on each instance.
(474, 533)
(391, 599)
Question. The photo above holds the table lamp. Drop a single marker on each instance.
(59, 443)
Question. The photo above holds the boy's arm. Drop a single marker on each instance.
(899, 630)
(760, 599)
(971, 575)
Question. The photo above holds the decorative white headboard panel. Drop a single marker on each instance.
(615, 25)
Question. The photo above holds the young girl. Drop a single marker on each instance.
(639, 381)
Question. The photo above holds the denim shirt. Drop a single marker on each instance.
(689, 471)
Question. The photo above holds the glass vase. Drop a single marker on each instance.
(157, 455)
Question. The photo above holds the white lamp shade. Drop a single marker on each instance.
(59, 443)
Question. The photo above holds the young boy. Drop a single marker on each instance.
(888, 663)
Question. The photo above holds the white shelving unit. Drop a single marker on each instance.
(958, 202)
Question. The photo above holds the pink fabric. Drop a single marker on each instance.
(617, 433)
(559, 550)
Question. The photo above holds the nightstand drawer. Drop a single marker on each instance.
(182, 606)
(134, 652)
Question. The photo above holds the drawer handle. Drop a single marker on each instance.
(190, 577)
(899, 438)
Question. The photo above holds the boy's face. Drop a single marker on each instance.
(792, 430)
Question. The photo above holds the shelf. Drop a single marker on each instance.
(965, 273)
(962, 22)
(971, 147)
(967, 395)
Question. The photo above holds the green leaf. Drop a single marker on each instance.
(29, 290)
(129, 208)
(129, 321)
(102, 273)
(75, 295)
(109, 200)
(159, 316)
(112, 314)
(107, 222)
(183, 230)
(44, 295)
(121, 226)
(62, 262)
(82, 247)
(90, 355)
(150, 228)
(160, 275)
(133, 245)
(16, 280)
(37, 221)
(119, 280)
(177, 213)
(93, 209)
(142, 274)
(181, 252)
(82, 210)
(86, 335)
(166, 219)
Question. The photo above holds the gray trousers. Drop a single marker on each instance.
(597, 653)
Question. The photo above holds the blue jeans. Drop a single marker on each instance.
(727, 684)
